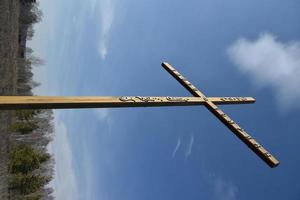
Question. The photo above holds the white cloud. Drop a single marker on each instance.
(103, 49)
(45, 30)
(102, 114)
(224, 190)
(176, 147)
(89, 175)
(64, 181)
(189, 147)
(105, 11)
(93, 6)
(104, 117)
(271, 63)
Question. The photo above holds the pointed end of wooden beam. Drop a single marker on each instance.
(250, 99)
(273, 162)
(167, 67)
(164, 64)
(275, 165)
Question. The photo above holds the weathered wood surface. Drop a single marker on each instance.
(48, 102)
(225, 119)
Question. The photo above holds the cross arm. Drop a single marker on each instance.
(225, 119)
(182, 80)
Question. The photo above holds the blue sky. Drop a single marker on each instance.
(114, 48)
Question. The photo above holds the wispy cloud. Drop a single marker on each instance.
(105, 10)
(104, 117)
(271, 63)
(107, 17)
(64, 182)
(89, 174)
(176, 147)
(223, 189)
(102, 114)
(189, 146)
(93, 6)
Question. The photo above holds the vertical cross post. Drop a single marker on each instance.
(56, 102)
(225, 119)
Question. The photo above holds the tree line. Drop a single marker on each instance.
(30, 165)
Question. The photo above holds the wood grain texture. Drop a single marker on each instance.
(51, 102)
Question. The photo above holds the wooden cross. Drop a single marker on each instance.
(43, 102)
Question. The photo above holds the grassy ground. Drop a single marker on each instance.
(9, 30)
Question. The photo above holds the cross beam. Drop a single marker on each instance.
(40, 102)
(44, 102)
(225, 119)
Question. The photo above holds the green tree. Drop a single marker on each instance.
(44, 157)
(26, 183)
(24, 159)
(23, 127)
(33, 196)
(26, 114)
